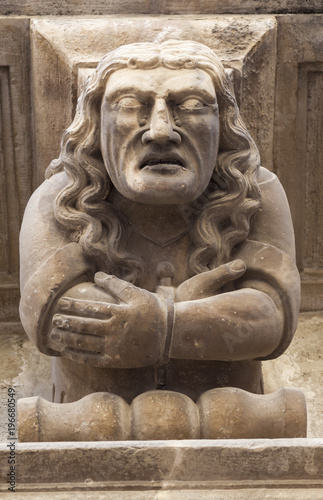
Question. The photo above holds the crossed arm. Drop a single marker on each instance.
(117, 324)
(110, 322)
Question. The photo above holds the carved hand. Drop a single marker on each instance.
(126, 334)
(209, 283)
(235, 325)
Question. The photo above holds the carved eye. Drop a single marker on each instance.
(129, 102)
(192, 103)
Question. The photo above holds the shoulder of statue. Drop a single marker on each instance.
(41, 235)
(41, 204)
(265, 176)
(40, 207)
(49, 189)
(273, 224)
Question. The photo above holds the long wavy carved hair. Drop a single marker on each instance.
(218, 220)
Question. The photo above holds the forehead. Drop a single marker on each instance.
(159, 81)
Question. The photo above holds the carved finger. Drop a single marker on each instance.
(74, 340)
(88, 326)
(207, 284)
(91, 358)
(120, 289)
(87, 308)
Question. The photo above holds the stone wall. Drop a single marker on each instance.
(153, 7)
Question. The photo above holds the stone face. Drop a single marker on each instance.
(159, 253)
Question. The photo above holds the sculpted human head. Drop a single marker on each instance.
(160, 133)
(159, 123)
(148, 102)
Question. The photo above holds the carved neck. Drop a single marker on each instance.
(158, 222)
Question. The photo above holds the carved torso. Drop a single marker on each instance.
(191, 376)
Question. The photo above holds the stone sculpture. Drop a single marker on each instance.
(157, 259)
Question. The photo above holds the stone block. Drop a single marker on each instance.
(217, 470)
(169, 7)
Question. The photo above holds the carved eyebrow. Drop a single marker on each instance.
(202, 94)
(176, 95)
(121, 92)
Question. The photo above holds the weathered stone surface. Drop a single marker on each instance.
(96, 417)
(164, 493)
(23, 367)
(177, 469)
(222, 413)
(173, 7)
(231, 413)
(301, 366)
(157, 414)
(298, 143)
(15, 160)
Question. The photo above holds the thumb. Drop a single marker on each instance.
(122, 290)
(207, 284)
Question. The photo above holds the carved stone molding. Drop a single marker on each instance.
(65, 49)
(15, 159)
(142, 470)
(169, 7)
(298, 143)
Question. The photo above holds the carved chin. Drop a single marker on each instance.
(166, 184)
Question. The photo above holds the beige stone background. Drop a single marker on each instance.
(274, 49)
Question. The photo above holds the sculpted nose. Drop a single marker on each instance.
(161, 126)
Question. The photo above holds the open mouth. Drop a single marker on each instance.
(165, 164)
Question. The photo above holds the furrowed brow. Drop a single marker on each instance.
(118, 92)
(189, 92)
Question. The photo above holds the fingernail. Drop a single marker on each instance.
(63, 303)
(100, 275)
(56, 336)
(238, 265)
(57, 321)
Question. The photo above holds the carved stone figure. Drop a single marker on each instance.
(157, 259)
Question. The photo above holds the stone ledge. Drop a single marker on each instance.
(145, 469)
(174, 7)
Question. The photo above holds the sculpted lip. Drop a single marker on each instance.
(161, 163)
